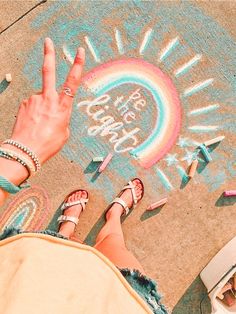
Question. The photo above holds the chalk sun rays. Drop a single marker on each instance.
(166, 49)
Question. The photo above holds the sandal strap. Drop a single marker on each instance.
(131, 186)
(123, 204)
(81, 202)
(64, 218)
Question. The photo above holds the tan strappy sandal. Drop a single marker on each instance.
(82, 202)
(130, 185)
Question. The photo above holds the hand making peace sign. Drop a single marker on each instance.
(42, 122)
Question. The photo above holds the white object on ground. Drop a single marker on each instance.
(157, 204)
(214, 271)
(98, 159)
(8, 77)
(214, 140)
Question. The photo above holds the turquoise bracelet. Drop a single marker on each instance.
(10, 187)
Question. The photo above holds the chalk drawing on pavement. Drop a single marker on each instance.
(158, 98)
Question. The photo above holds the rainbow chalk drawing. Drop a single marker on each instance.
(133, 51)
(164, 135)
(29, 210)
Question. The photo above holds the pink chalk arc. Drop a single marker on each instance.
(112, 74)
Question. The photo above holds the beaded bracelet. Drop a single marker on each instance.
(26, 150)
(17, 156)
(7, 156)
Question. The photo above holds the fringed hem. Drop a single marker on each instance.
(146, 288)
(11, 231)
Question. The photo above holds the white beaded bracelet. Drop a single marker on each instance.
(17, 156)
(26, 150)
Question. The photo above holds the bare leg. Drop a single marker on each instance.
(67, 228)
(110, 240)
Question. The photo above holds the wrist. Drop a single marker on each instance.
(13, 171)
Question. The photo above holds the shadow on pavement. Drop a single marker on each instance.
(225, 201)
(190, 301)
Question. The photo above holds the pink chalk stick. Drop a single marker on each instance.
(230, 193)
(105, 163)
(157, 204)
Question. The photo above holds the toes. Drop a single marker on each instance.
(71, 198)
(138, 188)
(78, 194)
(84, 194)
(139, 194)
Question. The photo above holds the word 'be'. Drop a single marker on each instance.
(125, 141)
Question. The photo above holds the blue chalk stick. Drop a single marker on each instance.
(205, 153)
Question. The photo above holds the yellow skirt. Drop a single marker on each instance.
(45, 274)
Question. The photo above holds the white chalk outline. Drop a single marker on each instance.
(146, 40)
(184, 68)
(203, 110)
(197, 87)
(119, 43)
(165, 52)
(92, 48)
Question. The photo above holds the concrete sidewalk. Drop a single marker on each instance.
(176, 242)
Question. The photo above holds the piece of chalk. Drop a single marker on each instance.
(230, 193)
(157, 204)
(8, 77)
(214, 140)
(105, 163)
(193, 168)
(205, 153)
(98, 159)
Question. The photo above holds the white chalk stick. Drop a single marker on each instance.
(214, 140)
(157, 204)
(8, 77)
(98, 159)
(105, 163)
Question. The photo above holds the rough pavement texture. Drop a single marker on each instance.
(175, 243)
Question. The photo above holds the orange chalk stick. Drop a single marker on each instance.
(157, 204)
(193, 168)
(105, 163)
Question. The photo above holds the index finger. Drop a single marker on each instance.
(49, 67)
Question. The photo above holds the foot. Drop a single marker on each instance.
(117, 209)
(67, 228)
